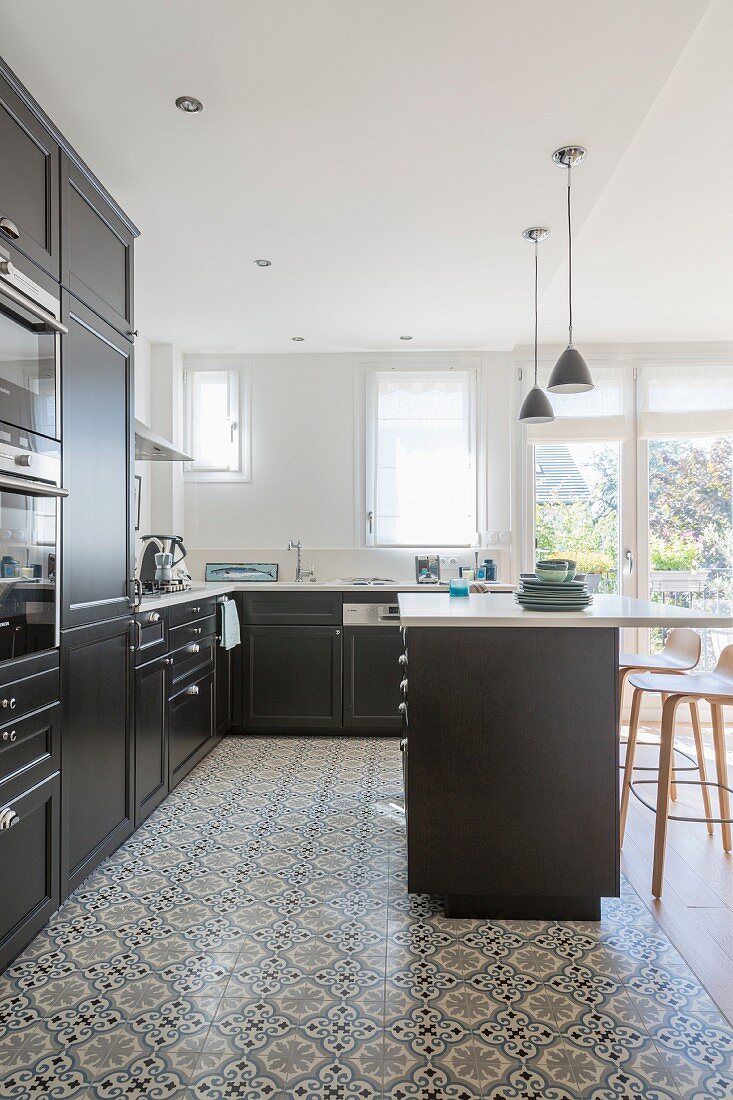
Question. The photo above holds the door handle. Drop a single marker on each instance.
(630, 561)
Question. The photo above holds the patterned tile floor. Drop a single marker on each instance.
(255, 939)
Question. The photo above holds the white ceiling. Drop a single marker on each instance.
(386, 155)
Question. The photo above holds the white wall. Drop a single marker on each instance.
(143, 411)
(304, 473)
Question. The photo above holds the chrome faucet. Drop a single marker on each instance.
(300, 573)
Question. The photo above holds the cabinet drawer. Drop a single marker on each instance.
(188, 612)
(199, 630)
(31, 743)
(291, 608)
(193, 656)
(190, 725)
(22, 696)
(29, 857)
(97, 264)
(150, 636)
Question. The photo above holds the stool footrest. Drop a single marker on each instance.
(683, 783)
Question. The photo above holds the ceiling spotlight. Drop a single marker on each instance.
(297, 339)
(189, 104)
(264, 263)
(405, 338)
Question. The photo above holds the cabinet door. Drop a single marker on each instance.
(29, 183)
(223, 690)
(151, 737)
(190, 725)
(95, 749)
(292, 677)
(29, 857)
(372, 678)
(97, 456)
(97, 251)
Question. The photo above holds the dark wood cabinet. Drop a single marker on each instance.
(97, 458)
(291, 677)
(97, 250)
(151, 737)
(190, 724)
(95, 755)
(29, 182)
(223, 685)
(372, 678)
(29, 857)
(307, 608)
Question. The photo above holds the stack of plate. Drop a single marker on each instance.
(537, 595)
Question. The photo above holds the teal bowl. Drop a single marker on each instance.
(552, 572)
(572, 569)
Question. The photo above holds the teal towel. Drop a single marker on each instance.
(230, 636)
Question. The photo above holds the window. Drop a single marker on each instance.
(217, 419)
(421, 487)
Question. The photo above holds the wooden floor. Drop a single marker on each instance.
(696, 909)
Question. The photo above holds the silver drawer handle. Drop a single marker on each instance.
(195, 610)
(403, 659)
(8, 703)
(9, 735)
(193, 690)
(402, 708)
(403, 744)
(154, 617)
(403, 686)
(197, 630)
(195, 648)
(8, 818)
(10, 229)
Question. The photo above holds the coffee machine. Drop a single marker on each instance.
(160, 564)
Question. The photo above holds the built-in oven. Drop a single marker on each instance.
(30, 496)
(30, 331)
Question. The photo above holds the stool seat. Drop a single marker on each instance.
(697, 685)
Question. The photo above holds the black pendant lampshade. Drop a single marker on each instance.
(570, 374)
(536, 407)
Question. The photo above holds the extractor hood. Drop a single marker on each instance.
(151, 447)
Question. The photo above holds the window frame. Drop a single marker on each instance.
(367, 435)
(240, 370)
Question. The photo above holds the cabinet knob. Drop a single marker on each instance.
(402, 707)
(193, 690)
(168, 661)
(403, 659)
(195, 610)
(9, 735)
(337, 632)
(8, 818)
(197, 630)
(8, 704)
(403, 686)
(10, 229)
(154, 617)
(403, 744)
(195, 648)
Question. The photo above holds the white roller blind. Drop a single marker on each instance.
(600, 413)
(679, 401)
(213, 429)
(422, 472)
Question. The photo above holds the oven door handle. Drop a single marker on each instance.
(31, 488)
(15, 296)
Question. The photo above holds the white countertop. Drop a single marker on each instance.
(215, 588)
(496, 609)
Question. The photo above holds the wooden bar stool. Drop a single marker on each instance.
(717, 688)
(681, 654)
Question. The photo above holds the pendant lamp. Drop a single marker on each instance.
(570, 374)
(536, 407)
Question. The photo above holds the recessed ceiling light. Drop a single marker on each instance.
(189, 104)
(264, 263)
(297, 339)
(405, 338)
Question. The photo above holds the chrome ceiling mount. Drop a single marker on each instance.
(537, 233)
(570, 156)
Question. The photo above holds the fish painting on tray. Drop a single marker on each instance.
(242, 571)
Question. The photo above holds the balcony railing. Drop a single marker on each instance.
(700, 590)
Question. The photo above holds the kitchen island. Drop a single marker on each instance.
(510, 750)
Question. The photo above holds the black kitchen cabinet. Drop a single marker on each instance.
(95, 754)
(372, 678)
(97, 458)
(291, 678)
(190, 723)
(151, 737)
(29, 182)
(96, 249)
(223, 684)
(29, 857)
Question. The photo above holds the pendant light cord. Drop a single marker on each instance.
(535, 310)
(570, 268)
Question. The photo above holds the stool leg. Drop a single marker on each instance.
(673, 785)
(663, 785)
(622, 674)
(695, 715)
(721, 768)
(629, 765)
